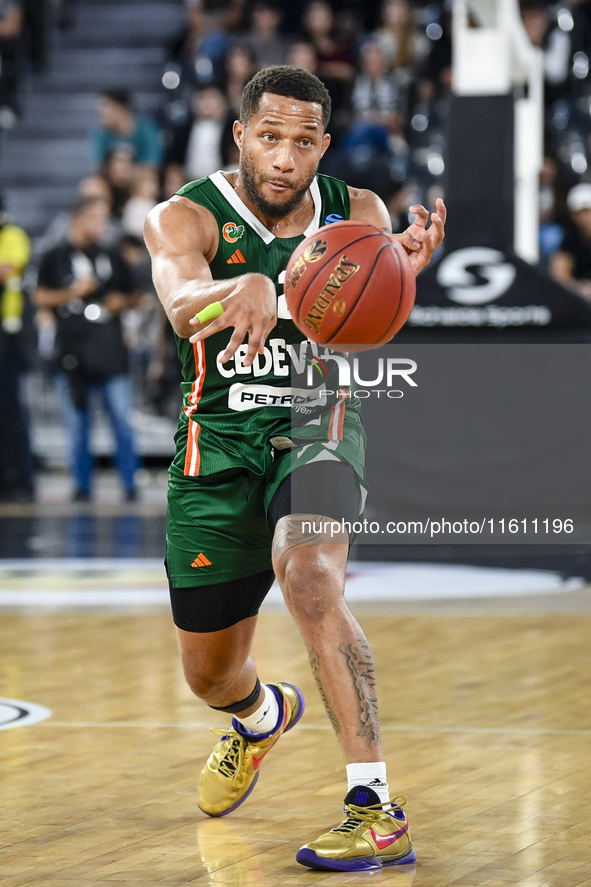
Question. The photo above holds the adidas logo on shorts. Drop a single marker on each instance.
(201, 561)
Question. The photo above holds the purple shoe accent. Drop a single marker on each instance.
(302, 705)
(262, 736)
(308, 857)
(237, 804)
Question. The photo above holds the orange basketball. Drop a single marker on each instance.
(350, 286)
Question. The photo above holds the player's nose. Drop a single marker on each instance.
(283, 158)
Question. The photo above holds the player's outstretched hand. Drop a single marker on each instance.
(251, 308)
(419, 241)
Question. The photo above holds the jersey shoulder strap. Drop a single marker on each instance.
(336, 201)
(205, 193)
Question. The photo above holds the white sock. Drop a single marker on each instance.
(371, 774)
(265, 718)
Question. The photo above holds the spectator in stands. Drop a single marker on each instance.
(144, 197)
(120, 127)
(303, 55)
(552, 210)
(434, 76)
(335, 59)
(402, 46)
(560, 39)
(197, 147)
(373, 144)
(88, 287)
(134, 252)
(571, 263)
(240, 67)
(264, 39)
(201, 46)
(376, 96)
(397, 201)
(16, 461)
(119, 172)
(173, 179)
(11, 21)
(229, 148)
(58, 229)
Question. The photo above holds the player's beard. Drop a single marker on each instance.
(252, 182)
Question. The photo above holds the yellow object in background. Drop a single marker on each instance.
(15, 250)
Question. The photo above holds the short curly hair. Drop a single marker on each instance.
(295, 83)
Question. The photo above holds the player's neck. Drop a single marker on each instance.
(291, 225)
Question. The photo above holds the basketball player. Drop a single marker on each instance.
(231, 529)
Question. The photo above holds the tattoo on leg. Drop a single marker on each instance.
(315, 663)
(289, 534)
(360, 663)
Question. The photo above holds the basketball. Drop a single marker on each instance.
(350, 285)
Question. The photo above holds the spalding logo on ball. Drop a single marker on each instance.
(350, 285)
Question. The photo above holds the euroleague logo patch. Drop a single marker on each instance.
(232, 232)
(17, 713)
(312, 253)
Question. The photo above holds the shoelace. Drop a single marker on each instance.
(232, 763)
(356, 816)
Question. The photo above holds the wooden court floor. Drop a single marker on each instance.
(486, 721)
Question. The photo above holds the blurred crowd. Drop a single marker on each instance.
(23, 45)
(387, 64)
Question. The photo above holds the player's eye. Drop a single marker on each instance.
(269, 137)
(305, 143)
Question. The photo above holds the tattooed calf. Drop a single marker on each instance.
(360, 663)
(315, 663)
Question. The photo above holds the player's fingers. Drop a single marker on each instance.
(257, 336)
(422, 215)
(441, 209)
(437, 231)
(236, 340)
(407, 240)
(209, 329)
(256, 346)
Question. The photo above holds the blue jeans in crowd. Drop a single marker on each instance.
(117, 398)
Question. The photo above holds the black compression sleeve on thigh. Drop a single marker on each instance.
(330, 489)
(214, 607)
(244, 704)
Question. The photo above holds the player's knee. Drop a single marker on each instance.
(206, 682)
(311, 589)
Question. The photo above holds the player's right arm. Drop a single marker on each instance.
(182, 241)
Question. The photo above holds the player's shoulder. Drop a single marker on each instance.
(181, 222)
(366, 206)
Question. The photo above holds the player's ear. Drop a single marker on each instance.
(325, 143)
(238, 133)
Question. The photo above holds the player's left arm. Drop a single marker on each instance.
(419, 241)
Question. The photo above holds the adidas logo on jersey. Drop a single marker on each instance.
(236, 259)
(201, 561)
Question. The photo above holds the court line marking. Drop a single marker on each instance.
(200, 725)
(19, 713)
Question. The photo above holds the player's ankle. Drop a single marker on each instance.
(266, 716)
(371, 774)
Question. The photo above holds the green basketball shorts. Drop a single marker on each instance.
(218, 525)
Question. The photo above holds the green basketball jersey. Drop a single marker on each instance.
(237, 416)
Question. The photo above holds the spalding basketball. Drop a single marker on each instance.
(350, 284)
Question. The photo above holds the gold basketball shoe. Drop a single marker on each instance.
(232, 769)
(372, 835)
